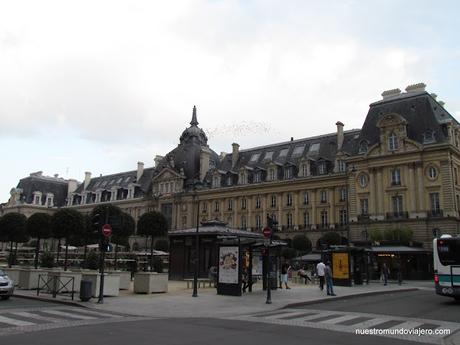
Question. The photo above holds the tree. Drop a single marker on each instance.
(13, 230)
(330, 239)
(288, 253)
(152, 224)
(121, 234)
(302, 244)
(162, 245)
(39, 227)
(67, 224)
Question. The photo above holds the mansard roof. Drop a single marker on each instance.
(291, 152)
(421, 111)
(43, 184)
(120, 180)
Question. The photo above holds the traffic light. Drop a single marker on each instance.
(96, 222)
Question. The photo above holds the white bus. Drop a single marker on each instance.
(446, 255)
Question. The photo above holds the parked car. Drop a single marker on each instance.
(6, 286)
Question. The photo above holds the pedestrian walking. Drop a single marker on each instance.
(320, 272)
(284, 274)
(328, 276)
(385, 273)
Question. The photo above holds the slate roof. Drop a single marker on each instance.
(323, 147)
(421, 111)
(44, 184)
(122, 180)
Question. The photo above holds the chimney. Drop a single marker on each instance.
(390, 93)
(441, 103)
(72, 186)
(157, 160)
(235, 151)
(87, 180)
(420, 87)
(339, 135)
(222, 155)
(140, 171)
(204, 162)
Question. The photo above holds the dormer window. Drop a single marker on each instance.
(305, 168)
(229, 181)
(216, 181)
(428, 136)
(342, 165)
(271, 174)
(288, 173)
(363, 146)
(258, 176)
(322, 168)
(130, 192)
(392, 142)
(37, 198)
(49, 200)
(242, 179)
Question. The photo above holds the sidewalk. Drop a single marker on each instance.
(178, 301)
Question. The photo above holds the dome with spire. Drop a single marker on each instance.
(194, 134)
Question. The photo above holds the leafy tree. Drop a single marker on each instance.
(47, 259)
(122, 233)
(152, 224)
(68, 224)
(403, 235)
(330, 238)
(288, 253)
(39, 226)
(302, 244)
(376, 235)
(162, 245)
(13, 230)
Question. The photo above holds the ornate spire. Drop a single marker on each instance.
(194, 121)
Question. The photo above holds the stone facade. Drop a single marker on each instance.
(399, 170)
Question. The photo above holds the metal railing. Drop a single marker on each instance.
(56, 284)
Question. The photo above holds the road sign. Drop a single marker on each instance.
(267, 232)
(106, 230)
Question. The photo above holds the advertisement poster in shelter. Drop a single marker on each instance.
(340, 266)
(256, 265)
(228, 265)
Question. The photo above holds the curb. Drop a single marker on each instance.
(338, 298)
(51, 300)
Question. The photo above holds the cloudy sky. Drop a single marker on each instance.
(99, 85)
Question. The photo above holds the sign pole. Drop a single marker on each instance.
(103, 249)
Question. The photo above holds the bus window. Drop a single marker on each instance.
(449, 251)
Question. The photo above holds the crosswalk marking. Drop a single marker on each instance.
(65, 314)
(340, 319)
(15, 322)
(97, 313)
(407, 325)
(35, 316)
(370, 323)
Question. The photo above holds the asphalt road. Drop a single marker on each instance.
(418, 304)
(191, 332)
(23, 303)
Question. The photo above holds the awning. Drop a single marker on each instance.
(312, 257)
(399, 250)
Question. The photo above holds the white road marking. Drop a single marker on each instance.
(63, 313)
(15, 322)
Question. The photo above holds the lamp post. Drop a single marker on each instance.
(197, 247)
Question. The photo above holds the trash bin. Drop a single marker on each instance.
(85, 290)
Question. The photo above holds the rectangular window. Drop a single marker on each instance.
(396, 177)
(258, 202)
(289, 199)
(306, 219)
(397, 202)
(342, 166)
(343, 219)
(230, 204)
(204, 207)
(364, 206)
(288, 173)
(242, 178)
(216, 181)
(343, 194)
(305, 170)
(324, 220)
(257, 176)
(322, 168)
(216, 206)
(305, 198)
(272, 174)
(323, 196)
(258, 222)
(243, 203)
(243, 222)
(456, 176)
(289, 220)
(184, 222)
(273, 201)
(434, 203)
(229, 181)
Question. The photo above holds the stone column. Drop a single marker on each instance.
(295, 219)
(412, 193)
(332, 207)
(421, 197)
(380, 195)
(236, 220)
(372, 193)
(249, 213)
(280, 203)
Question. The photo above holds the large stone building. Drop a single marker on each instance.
(399, 170)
